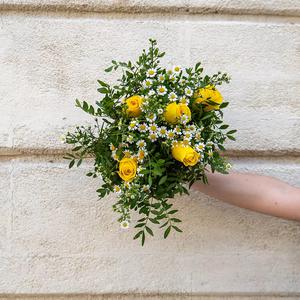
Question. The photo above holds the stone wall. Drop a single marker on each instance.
(56, 240)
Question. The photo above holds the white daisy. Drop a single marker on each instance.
(170, 134)
(160, 111)
(132, 125)
(147, 83)
(161, 90)
(127, 153)
(129, 139)
(124, 224)
(188, 135)
(184, 119)
(114, 155)
(117, 189)
(152, 137)
(151, 93)
(188, 91)
(143, 127)
(177, 130)
(172, 78)
(169, 72)
(141, 155)
(145, 188)
(162, 131)
(182, 81)
(152, 127)
(161, 78)
(151, 72)
(176, 69)
(172, 96)
(151, 118)
(191, 128)
(198, 136)
(184, 100)
(141, 144)
(200, 147)
(139, 169)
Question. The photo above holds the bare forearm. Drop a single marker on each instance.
(259, 193)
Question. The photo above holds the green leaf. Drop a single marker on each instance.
(175, 220)
(85, 106)
(143, 238)
(231, 131)
(102, 90)
(108, 69)
(137, 235)
(71, 164)
(79, 162)
(103, 83)
(224, 104)
(221, 147)
(141, 220)
(224, 126)
(176, 228)
(78, 103)
(231, 137)
(149, 230)
(171, 212)
(167, 231)
(153, 221)
(163, 180)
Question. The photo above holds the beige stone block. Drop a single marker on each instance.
(274, 7)
(6, 206)
(64, 241)
(50, 71)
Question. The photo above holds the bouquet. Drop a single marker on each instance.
(155, 133)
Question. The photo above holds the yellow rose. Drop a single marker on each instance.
(174, 111)
(134, 104)
(185, 154)
(209, 93)
(127, 168)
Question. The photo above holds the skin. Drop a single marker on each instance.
(258, 193)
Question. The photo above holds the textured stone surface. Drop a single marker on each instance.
(272, 7)
(5, 207)
(149, 297)
(56, 240)
(42, 73)
(64, 241)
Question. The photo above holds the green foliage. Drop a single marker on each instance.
(116, 135)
